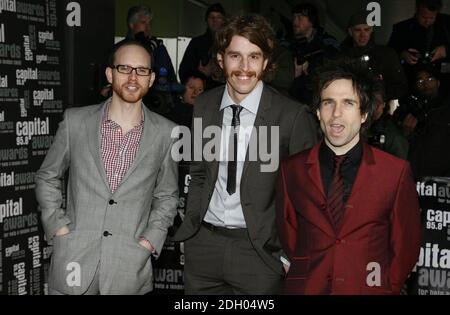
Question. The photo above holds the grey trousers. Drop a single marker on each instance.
(224, 262)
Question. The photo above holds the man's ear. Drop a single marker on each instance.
(152, 79)
(108, 73)
(364, 118)
(318, 114)
(349, 30)
(220, 60)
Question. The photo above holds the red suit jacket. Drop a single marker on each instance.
(378, 242)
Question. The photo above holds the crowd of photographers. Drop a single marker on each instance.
(413, 70)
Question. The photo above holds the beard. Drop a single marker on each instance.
(130, 92)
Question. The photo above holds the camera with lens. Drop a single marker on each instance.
(418, 107)
(424, 58)
(164, 94)
(367, 61)
(304, 51)
(205, 58)
(370, 63)
(377, 139)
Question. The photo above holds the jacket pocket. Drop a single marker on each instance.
(299, 268)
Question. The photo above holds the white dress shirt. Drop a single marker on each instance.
(226, 210)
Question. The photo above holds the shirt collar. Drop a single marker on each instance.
(250, 103)
(107, 118)
(353, 156)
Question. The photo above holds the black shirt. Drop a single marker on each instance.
(349, 167)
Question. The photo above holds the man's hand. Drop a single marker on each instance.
(206, 70)
(301, 69)
(410, 56)
(145, 243)
(409, 123)
(62, 231)
(439, 53)
(286, 268)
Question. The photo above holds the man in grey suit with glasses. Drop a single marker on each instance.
(122, 188)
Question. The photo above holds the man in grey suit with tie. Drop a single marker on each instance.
(122, 188)
(231, 242)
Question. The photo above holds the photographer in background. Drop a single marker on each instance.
(310, 46)
(423, 39)
(199, 52)
(159, 97)
(414, 110)
(181, 113)
(384, 132)
(383, 61)
(427, 123)
(139, 19)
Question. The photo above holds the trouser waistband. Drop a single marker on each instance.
(238, 233)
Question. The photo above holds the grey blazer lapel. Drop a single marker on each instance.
(261, 120)
(149, 135)
(93, 126)
(215, 119)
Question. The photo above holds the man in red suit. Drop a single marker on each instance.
(347, 213)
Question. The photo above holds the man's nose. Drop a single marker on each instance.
(133, 74)
(244, 64)
(337, 110)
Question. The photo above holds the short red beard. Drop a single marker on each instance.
(130, 97)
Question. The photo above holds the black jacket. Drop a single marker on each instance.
(199, 49)
(316, 50)
(410, 34)
(161, 58)
(384, 63)
(430, 150)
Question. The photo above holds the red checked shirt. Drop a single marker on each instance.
(118, 150)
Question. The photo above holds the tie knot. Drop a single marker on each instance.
(236, 110)
(338, 159)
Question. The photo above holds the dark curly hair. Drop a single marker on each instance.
(364, 83)
(257, 30)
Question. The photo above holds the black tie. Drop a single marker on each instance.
(232, 150)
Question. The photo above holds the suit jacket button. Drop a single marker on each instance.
(111, 202)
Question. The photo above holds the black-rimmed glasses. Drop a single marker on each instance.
(125, 69)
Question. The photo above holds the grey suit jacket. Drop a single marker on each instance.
(105, 227)
(297, 131)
